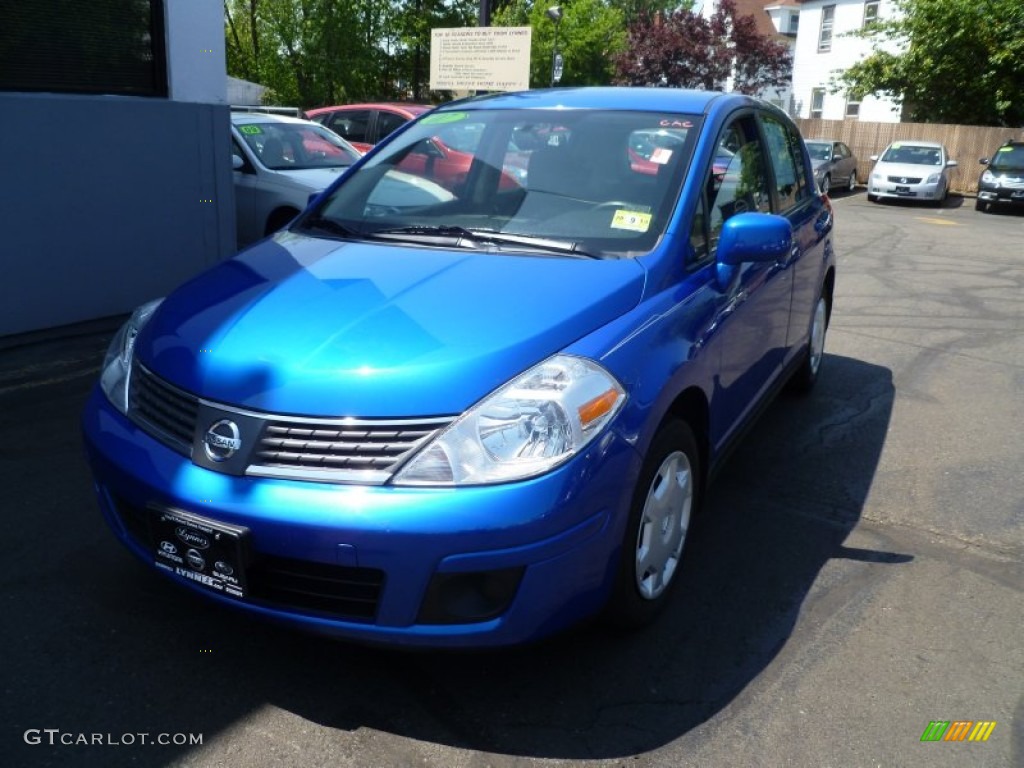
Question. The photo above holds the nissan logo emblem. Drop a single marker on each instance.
(222, 440)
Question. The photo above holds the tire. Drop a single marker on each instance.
(851, 185)
(872, 198)
(665, 502)
(278, 219)
(806, 375)
(826, 184)
(982, 205)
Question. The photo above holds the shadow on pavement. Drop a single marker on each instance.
(95, 643)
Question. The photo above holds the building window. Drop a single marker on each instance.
(871, 13)
(114, 47)
(852, 106)
(794, 23)
(828, 15)
(817, 103)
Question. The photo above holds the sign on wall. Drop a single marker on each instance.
(480, 59)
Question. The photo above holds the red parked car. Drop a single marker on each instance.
(363, 125)
(444, 158)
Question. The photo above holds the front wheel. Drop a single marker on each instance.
(851, 185)
(665, 502)
(806, 375)
(826, 184)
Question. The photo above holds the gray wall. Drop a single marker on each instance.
(102, 203)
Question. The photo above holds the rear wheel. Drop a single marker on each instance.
(806, 375)
(665, 502)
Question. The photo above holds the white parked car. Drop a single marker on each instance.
(278, 163)
(913, 170)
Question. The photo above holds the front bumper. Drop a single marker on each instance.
(1005, 195)
(883, 188)
(551, 541)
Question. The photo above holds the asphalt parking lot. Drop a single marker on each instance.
(859, 575)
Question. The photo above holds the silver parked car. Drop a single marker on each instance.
(278, 163)
(914, 170)
(835, 166)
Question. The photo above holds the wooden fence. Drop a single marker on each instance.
(965, 143)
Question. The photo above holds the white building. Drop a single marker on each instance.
(824, 47)
(778, 19)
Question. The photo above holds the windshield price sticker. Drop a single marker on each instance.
(251, 130)
(635, 221)
(444, 117)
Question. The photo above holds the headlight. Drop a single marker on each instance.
(988, 177)
(876, 177)
(118, 363)
(530, 425)
(933, 179)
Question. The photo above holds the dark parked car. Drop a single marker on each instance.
(429, 417)
(835, 166)
(1002, 181)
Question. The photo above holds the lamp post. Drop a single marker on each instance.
(555, 14)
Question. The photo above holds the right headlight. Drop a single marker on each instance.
(988, 177)
(117, 365)
(537, 421)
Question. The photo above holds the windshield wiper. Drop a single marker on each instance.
(330, 226)
(488, 236)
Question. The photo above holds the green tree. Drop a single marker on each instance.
(312, 52)
(955, 61)
(590, 35)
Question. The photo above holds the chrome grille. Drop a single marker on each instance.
(903, 180)
(162, 410)
(318, 449)
(349, 449)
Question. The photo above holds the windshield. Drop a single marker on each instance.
(600, 183)
(819, 150)
(297, 146)
(1008, 159)
(910, 154)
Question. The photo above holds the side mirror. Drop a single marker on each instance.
(874, 158)
(757, 237)
(984, 161)
(237, 162)
(951, 163)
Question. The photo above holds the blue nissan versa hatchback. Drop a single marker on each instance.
(471, 411)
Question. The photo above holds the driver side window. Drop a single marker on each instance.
(738, 182)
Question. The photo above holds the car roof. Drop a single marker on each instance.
(916, 143)
(248, 118)
(411, 110)
(639, 99)
(825, 141)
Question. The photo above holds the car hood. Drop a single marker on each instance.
(907, 169)
(816, 164)
(300, 325)
(314, 179)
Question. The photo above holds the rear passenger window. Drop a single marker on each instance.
(786, 152)
(387, 123)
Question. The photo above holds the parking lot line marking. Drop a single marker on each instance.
(947, 222)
